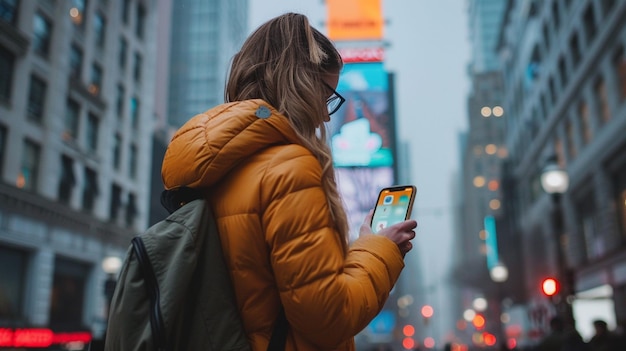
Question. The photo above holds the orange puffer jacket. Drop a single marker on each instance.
(278, 237)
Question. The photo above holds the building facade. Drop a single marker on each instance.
(76, 117)
(564, 69)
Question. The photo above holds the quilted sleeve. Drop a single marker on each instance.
(328, 296)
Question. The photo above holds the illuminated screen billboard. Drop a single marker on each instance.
(362, 131)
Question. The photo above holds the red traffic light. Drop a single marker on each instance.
(550, 286)
(427, 311)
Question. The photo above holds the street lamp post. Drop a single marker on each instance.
(555, 181)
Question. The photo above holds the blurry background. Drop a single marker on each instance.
(508, 116)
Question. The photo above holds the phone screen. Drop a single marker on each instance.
(394, 205)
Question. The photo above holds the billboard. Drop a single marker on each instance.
(362, 132)
(354, 19)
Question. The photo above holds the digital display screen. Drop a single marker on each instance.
(393, 206)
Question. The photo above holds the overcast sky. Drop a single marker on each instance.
(429, 53)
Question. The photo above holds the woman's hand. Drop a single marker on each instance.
(400, 233)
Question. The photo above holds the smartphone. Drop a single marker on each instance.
(394, 205)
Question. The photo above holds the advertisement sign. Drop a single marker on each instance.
(362, 55)
(354, 19)
(362, 131)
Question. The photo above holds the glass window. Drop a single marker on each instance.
(585, 124)
(132, 161)
(620, 195)
(42, 34)
(125, 10)
(3, 146)
(123, 53)
(96, 79)
(93, 126)
(574, 47)
(134, 112)
(36, 99)
(76, 61)
(99, 27)
(121, 92)
(72, 115)
(589, 23)
(8, 10)
(131, 210)
(116, 202)
(562, 71)
(67, 180)
(6, 74)
(588, 221)
(91, 189)
(137, 67)
(140, 21)
(29, 170)
(117, 151)
(12, 283)
(67, 296)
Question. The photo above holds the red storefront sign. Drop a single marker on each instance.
(354, 55)
(39, 337)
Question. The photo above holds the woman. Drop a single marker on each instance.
(263, 160)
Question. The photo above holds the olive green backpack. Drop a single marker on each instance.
(174, 291)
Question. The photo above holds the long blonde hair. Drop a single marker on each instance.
(283, 62)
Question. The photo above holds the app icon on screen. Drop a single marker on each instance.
(404, 199)
(381, 225)
(388, 200)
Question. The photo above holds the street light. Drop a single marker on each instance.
(499, 273)
(555, 181)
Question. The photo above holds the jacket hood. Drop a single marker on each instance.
(212, 143)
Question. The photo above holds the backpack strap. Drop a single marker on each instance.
(152, 287)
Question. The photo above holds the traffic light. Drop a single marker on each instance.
(550, 287)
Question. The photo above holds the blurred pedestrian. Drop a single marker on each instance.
(604, 340)
(264, 164)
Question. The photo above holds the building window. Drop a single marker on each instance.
(12, 289)
(560, 154)
(137, 67)
(123, 52)
(96, 79)
(67, 179)
(8, 11)
(72, 115)
(76, 61)
(140, 21)
(132, 161)
(93, 126)
(116, 202)
(3, 146)
(588, 222)
(67, 297)
(125, 11)
(131, 210)
(6, 75)
(607, 6)
(77, 13)
(121, 92)
(134, 112)
(29, 170)
(619, 63)
(91, 189)
(562, 71)
(574, 47)
(603, 101)
(117, 151)
(589, 23)
(585, 125)
(99, 27)
(42, 34)
(36, 99)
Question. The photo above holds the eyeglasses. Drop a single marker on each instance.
(335, 101)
